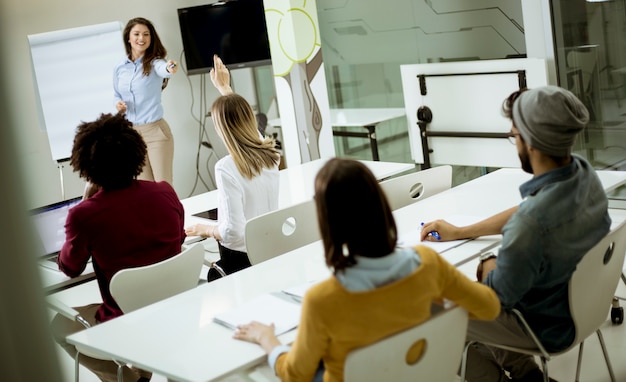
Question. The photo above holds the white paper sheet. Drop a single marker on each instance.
(266, 309)
(413, 238)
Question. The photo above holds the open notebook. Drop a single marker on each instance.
(49, 223)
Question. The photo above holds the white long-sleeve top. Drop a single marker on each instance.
(240, 199)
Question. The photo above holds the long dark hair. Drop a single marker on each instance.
(155, 50)
(354, 216)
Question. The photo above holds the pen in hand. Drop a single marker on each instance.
(434, 234)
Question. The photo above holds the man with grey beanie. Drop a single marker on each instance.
(564, 214)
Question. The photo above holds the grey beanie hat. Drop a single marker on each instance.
(548, 119)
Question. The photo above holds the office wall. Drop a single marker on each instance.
(41, 174)
(361, 48)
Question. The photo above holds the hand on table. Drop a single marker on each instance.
(258, 333)
(445, 230)
(203, 230)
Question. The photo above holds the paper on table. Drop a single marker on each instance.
(192, 220)
(298, 291)
(265, 309)
(413, 237)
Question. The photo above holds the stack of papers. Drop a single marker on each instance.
(266, 309)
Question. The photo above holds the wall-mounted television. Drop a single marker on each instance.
(235, 30)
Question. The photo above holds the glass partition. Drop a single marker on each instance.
(363, 52)
(590, 41)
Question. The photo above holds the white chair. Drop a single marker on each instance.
(280, 231)
(591, 290)
(392, 359)
(134, 288)
(406, 189)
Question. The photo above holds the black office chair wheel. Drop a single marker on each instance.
(617, 313)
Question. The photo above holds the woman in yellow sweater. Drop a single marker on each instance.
(376, 289)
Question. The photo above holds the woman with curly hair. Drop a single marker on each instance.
(122, 223)
(247, 178)
(137, 83)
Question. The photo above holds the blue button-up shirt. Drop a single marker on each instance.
(563, 216)
(142, 94)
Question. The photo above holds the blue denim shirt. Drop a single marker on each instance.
(564, 214)
(141, 93)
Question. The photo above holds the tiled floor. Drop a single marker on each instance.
(608, 151)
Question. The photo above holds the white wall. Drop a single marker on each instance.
(384, 39)
(40, 172)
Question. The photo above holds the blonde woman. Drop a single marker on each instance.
(246, 178)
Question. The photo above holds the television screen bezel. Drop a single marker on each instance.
(206, 68)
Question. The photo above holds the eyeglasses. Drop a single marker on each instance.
(512, 138)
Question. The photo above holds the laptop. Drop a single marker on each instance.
(49, 223)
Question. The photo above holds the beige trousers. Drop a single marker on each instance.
(105, 369)
(160, 158)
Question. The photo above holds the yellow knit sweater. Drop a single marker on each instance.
(334, 320)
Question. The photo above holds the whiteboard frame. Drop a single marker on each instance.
(479, 107)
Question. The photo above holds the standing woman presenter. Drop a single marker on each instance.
(137, 82)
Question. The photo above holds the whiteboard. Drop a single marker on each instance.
(467, 97)
(73, 75)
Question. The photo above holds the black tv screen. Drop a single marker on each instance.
(235, 30)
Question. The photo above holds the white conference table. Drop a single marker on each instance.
(296, 185)
(178, 339)
(366, 118)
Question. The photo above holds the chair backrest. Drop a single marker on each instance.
(390, 358)
(406, 189)
(585, 61)
(280, 231)
(134, 288)
(593, 283)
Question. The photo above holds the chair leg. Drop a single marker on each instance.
(544, 366)
(218, 269)
(580, 358)
(464, 361)
(120, 371)
(76, 367)
(606, 355)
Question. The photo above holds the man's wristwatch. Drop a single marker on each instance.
(483, 257)
(486, 256)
